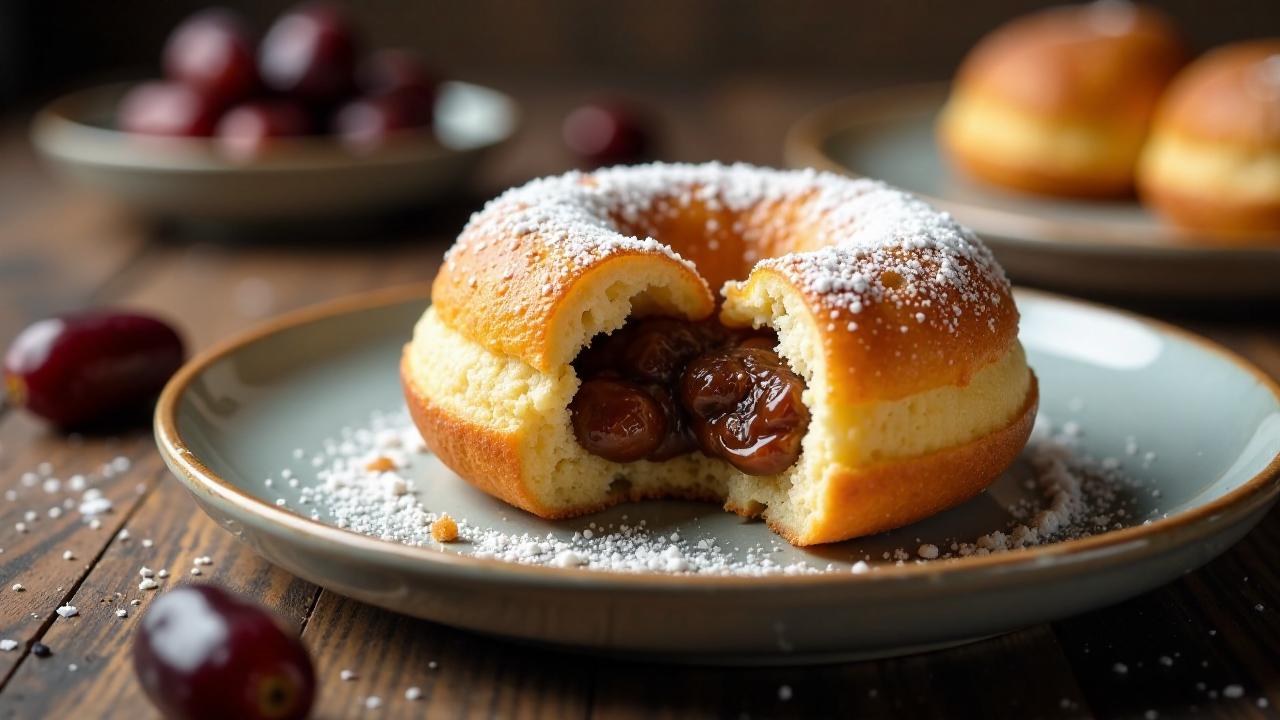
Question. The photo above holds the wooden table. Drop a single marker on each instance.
(62, 249)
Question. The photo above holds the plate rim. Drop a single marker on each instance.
(199, 479)
(804, 146)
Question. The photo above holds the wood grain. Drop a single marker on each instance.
(959, 682)
(460, 675)
(34, 558)
(58, 255)
(1183, 645)
(97, 642)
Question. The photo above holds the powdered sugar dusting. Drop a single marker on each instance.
(379, 480)
(886, 246)
(863, 229)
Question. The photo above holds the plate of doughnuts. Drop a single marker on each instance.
(1087, 151)
(571, 439)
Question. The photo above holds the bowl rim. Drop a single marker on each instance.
(1112, 546)
(59, 130)
(805, 145)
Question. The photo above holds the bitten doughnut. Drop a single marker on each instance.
(857, 370)
(1058, 102)
(1212, 164)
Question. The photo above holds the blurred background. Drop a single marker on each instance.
(707, 80)
(48, 46)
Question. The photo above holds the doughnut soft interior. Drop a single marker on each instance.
(899, 320)
(1058, 102)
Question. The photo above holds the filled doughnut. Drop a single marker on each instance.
(830, 354)
(1212, 164)
(1058, 102)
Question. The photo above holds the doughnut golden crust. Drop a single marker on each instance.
(899, 321)
(1212, 164)
(1058, 102)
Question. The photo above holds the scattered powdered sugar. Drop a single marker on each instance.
(78, 493)
(1080, 495)
(885, 245)
(1068, 495)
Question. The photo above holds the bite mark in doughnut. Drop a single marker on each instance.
(896, 335)
(661, 387)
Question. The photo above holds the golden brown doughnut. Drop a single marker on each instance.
(898, 319)
(1212, 164)
(1058, 102)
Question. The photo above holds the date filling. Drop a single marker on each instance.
(661, 387)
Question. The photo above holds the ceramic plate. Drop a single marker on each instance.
(1096, 246)
(299, 178)
(1194, 429)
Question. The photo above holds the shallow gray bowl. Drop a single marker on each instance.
(300, 178)
(1210, 421)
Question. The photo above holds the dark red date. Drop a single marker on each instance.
(309, 53)
(212, 51)
(602, 134)
(745, 406)
(724, 391)
(167, 108)
(368, 123)
(202, 652)
(84, 369)
(617, 420)
(247, 130)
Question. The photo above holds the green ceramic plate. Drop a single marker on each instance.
(1097, 246)
(1195, 428)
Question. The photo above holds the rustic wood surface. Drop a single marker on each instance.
(1181, 646)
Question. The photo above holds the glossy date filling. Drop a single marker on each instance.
(661, 387)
